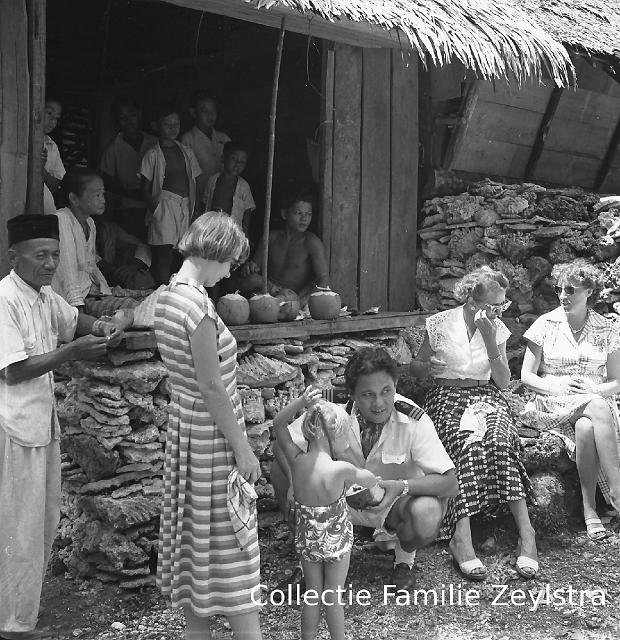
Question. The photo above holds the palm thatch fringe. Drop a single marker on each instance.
(495, 39)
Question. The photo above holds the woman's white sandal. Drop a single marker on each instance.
(595, 529)
(527, 567)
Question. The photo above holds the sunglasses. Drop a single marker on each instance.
(235, 264)
(497, 308)
(568, 289)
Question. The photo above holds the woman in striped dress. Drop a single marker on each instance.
(202, 567)
(572, 362)
(465, 352)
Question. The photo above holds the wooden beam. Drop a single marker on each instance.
(610, 155)
(543, 131)
(346, 173)
(468, 105)
(361, 34)
(404, 153)
(326, 135)
(299, 329)
(375, 180)
(36, 66)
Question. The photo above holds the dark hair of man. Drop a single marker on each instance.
(367, 361)
(121, 102)
(231, 146)
(164, 108)
(76, 180)
(300, 194)
(200, 95)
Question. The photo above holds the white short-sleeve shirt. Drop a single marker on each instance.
(407, 448)
(31, 323)
(447, 334)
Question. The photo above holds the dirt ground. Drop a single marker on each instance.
(576, 595)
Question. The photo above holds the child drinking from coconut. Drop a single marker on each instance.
(297, 257)
(323, 530)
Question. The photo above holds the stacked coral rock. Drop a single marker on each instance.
(114, 419)
(521, 230)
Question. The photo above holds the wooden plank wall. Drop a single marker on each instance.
(371, 234)
(507, 118)
(14, 110)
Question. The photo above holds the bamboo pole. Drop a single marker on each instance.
(270, 152)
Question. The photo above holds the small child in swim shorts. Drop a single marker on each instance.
(323, 529)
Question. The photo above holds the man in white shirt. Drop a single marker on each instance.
(392, 437)
(33, 320)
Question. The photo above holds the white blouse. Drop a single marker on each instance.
(447, 333)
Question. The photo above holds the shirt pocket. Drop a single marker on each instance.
(30, 344)
(393, 457)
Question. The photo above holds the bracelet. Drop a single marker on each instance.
(494, 358)
(405, 491)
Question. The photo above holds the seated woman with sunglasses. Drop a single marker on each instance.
(465, 351)
(572, 362)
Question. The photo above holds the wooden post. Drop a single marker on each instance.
(36, 64)
(271, 150)
(543, 131)
(468, 104)
(608, 159)
(345, 225)
(404, 181)
(103, 63)
(14, 117)
(327, 147)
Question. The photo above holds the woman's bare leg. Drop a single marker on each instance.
(196, 627)
(245, 626)
(606, 445)
(587, 464)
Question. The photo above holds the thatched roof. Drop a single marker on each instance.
(592, 25)
(496, 39)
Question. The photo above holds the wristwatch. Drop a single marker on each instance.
(405, 491)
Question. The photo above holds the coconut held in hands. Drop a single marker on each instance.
(233, 309)
(324, 304)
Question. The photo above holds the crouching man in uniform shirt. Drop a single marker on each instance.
(33, 321)
(391, 436)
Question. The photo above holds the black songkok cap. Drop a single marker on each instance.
(31, 226)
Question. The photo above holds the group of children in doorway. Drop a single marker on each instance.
(160, 184)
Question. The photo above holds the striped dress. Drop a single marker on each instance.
(200, 562)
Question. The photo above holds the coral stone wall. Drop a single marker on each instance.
(114, 419)
(521, 230)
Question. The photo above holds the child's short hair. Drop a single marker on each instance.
(162, 109)
(300, 194)
(76, 180)
(201, 95)
(324, 418)
(123, 101)
(214, 236)
(231, 146)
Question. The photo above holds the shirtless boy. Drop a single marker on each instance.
(297, 257)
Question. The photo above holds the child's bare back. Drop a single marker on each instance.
(318, 480)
